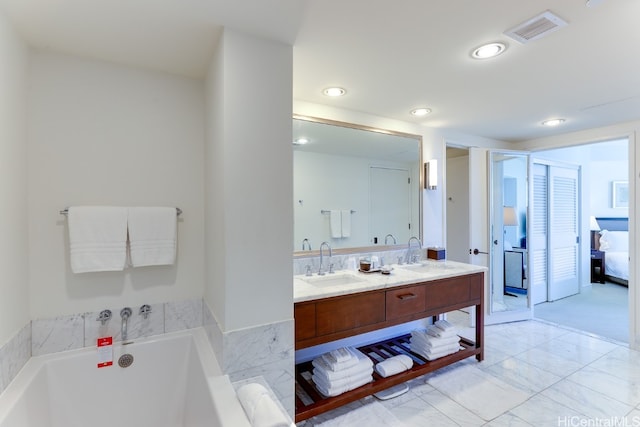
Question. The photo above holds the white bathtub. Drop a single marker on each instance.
(174, 381)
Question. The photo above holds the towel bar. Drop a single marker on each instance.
(324, 211)
(66, 211)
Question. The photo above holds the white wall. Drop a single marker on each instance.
(249, 210)
(14, 290)
(111, 135)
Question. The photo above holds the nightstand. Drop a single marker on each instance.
(597, 260)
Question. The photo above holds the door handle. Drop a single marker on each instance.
(495, 242)
(477, 251)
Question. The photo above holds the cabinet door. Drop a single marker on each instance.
(305, 321)
(341, 314)
(447, 293)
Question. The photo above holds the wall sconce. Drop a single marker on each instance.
(431, 175)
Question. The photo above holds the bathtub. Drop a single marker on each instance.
(174, 380)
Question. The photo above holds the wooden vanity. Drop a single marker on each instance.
(328, 319)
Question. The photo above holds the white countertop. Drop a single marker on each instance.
(345, 282)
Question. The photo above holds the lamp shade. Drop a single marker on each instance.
(509, 216)
(593, 224)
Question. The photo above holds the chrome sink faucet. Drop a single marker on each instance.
(322, 245)
(308, 244)
(412, 259)
(392, 237)
(125, 313)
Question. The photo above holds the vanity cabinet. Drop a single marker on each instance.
(329, 319)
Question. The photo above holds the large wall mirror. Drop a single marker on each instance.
(354, 187)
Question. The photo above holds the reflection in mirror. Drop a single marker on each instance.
(509, 202)
(354, 186)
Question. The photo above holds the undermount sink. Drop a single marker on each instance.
(335, 279)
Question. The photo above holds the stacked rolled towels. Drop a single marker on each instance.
(394, 365)
(341, 370)
(437, 340)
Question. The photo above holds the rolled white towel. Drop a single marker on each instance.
(340, 355)
(260, 408)
(394, 365)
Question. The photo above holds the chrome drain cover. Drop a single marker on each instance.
(125, 360)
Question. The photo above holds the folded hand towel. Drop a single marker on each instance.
(394, 365)
(345, 216)
(322, 369)
(152, 235)
(97, 238)
(335, 224)
(339, 366)
(340, 355)
(260, 408)
(439, 333)
(444, 325)
(334, 391)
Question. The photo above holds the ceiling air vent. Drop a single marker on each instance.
(536, 27)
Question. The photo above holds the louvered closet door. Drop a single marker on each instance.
(538, 234)
(563, 233)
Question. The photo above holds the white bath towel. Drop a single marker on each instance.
(340, 355)
(342, 382)
(260, 407)
(335, 223)
(97, 238)
(152, 235)
(394, 365)
(345, 216)
(422, 338)
(432, 355)
(334, 391)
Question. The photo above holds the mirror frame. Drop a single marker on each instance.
(374, 248)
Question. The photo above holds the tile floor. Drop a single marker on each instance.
(534, 374)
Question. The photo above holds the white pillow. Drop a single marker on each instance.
(614, 241)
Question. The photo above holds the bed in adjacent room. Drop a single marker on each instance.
(614, 242)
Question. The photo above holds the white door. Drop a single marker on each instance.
(563, 233)
(538, 234)
(390, 199)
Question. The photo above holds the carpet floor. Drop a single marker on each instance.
(601, 309)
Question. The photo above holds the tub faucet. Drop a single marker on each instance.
(305, 240)
(412, 258)
(125, 313)
(392, 237)
(323, 244)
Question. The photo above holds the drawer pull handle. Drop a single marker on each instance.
(407, 296)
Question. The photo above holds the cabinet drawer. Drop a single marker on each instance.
(447, 292)
(304, 316)
(405, 301)
(350, 312)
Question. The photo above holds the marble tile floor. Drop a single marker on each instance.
(534, 374)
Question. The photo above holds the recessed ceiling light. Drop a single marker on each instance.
(334, 91)
(420, 111)
(488, 50)
(552, 122)
(300, 141)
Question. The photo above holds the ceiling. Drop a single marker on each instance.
(391, 56)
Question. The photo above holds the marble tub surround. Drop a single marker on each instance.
(13, 355)
(74, 331)
(265, 350)
(310, 288)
